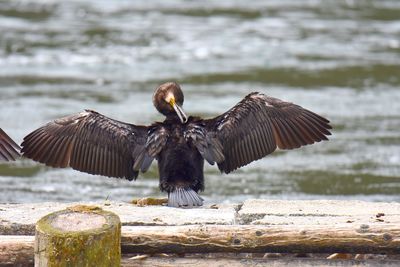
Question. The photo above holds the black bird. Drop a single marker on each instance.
(8, 148)
(252, 129)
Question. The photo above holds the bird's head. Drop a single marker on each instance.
(168, 100)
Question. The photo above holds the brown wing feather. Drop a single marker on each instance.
(88, 142)
(8, 148)
(259, 124)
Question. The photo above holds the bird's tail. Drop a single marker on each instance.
(182, 197)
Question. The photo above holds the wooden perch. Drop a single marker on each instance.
(16, 250)
(78, 236)
(256, 226)
(345, 238)
(251, 262)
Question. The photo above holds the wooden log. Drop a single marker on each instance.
(247, 262)
(78, 236)
(24, 257)
(344, 238)
(16, 250)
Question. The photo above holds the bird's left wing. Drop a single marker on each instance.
(90, 142)
(8, 148)
(259, 124)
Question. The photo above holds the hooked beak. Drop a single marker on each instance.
(179, 111)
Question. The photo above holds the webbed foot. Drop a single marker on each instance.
(149, 201)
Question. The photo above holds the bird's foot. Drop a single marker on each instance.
(149, 201)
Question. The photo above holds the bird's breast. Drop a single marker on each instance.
(176, 137)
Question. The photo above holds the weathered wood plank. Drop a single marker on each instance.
(22, 255)
(20, 219)
(247, 238)
(344, 238)
(16, 250)
(286, 262)
(282, 212)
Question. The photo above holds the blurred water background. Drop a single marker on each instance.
(338, 58)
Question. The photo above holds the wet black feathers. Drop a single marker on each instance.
(156, 139)
(259, 124)
(89, 142)
(8, 148)
(206, 142)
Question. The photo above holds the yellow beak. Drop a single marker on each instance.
(179, 111)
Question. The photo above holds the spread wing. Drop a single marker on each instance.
(259, 124)
(8, 148)
(89, 142)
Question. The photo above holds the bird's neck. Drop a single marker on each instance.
(172, 118)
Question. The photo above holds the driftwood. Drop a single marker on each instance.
(260, 239)
(257, 226)
(248, 239)
(16, 250)
(78, 236)
(244, 262)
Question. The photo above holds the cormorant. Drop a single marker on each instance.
(253, 128)
(8, 148)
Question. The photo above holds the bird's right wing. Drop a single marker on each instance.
(88, 142)
(8, 148)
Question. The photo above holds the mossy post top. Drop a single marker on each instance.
(78, 219)
(78, 236)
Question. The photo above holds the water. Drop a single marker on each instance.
(338, 58)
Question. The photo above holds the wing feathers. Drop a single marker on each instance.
(303, 132)
(207, 143)
(34, 142)
(75, 159)
(281, 134)
(89, 142)
(317, 136)
(308, 129)
(8, 148)
(108, 163)
(249, 149)
(259, 124)
(39, 146)
(3, 153)
(48, 156)
(260, 146)
(301, 139)
(58, 147)
(292, 139)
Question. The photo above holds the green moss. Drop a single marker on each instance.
(95, 247)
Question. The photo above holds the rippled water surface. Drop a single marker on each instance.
(338, 58)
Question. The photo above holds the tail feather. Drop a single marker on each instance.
(184, 198)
